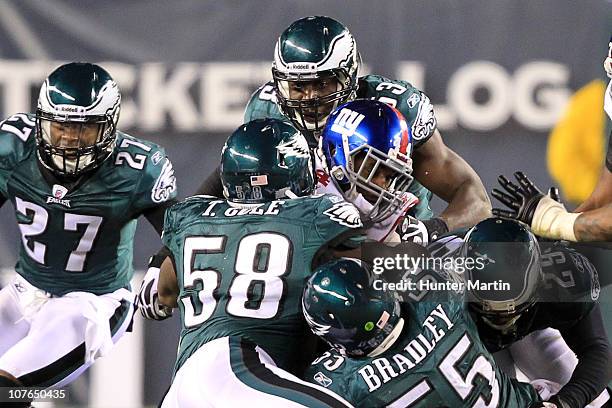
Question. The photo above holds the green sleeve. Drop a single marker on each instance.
(157, 184)
(16, 141)
(262, 104)
(410, 101)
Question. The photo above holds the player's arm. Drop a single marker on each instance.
(602, 195)
(588, 339)
(212, 184)
(148, 300)
(156, 190)
(155, 215)
(594, 225)
(167, 287)
(451, 178)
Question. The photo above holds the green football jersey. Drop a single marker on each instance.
(241, 271)
(80, 239)
(438, 361)
(414, 105)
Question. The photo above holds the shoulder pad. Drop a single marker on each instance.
(147, 162)
(410, 101)
(262, 104)
(17, 138)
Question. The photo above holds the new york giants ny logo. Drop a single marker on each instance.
(346, 122)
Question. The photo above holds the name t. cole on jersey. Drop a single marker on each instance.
(270, 209)
(165, 184)
(383, 369)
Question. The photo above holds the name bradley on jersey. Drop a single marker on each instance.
(384, 369)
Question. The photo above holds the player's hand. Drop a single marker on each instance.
(522, 199)
(413, 230)
(147, 299)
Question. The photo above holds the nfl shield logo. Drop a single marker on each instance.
(59, 191)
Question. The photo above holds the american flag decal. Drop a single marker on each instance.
(261, 180)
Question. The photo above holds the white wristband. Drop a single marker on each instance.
(551, 220)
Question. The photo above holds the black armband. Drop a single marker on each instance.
(156, 260)
(435, 227)
(212, 185)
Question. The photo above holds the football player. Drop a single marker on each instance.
(241, 264)
(423, 353)
(551, 286)
(366, 150)
(315, 70)
(77, 185)
(602, 194)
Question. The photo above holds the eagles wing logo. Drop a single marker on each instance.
(165, 184)
(317, 328)
(295, 147)
(344, 214)
(425, 121)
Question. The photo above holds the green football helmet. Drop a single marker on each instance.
(342, 307)
(266, 160)
(510, 253)
(315, 69)
(76, 118)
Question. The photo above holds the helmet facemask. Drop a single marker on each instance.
(308, 99)
(72, 145)
(364, 164)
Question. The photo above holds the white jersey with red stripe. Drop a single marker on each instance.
(383, 231)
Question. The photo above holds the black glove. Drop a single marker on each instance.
(421, 232)
(522, 199)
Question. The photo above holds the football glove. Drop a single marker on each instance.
(546, 216)
(147, 299)
(421, 232)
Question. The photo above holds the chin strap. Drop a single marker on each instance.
(389, 340)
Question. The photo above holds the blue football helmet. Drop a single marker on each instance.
(378, 136)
